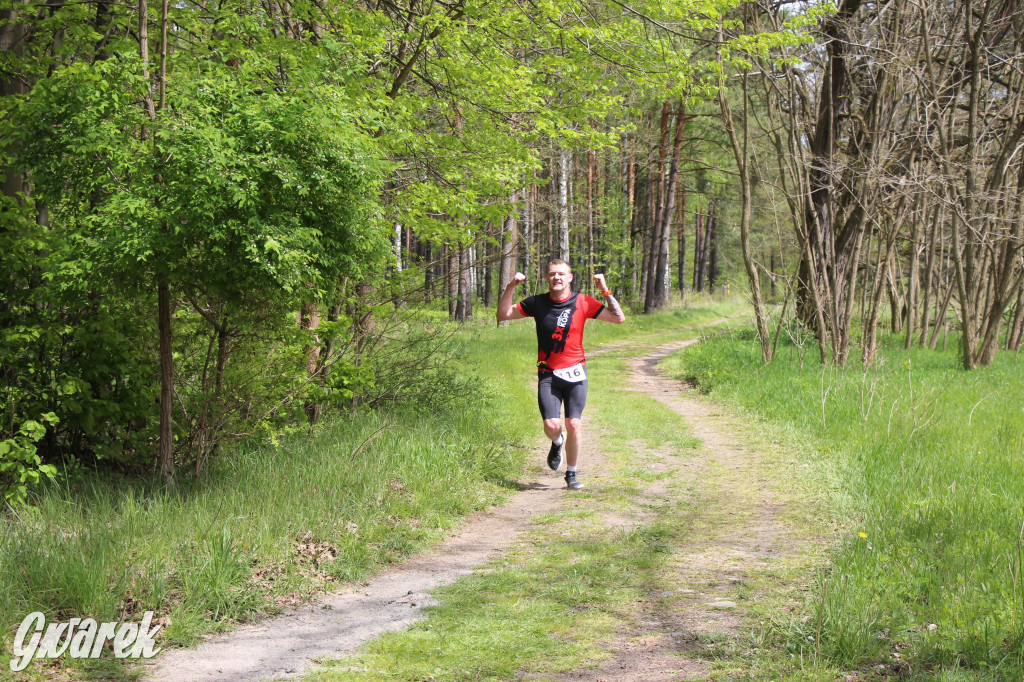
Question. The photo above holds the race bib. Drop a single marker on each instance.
(576, 373)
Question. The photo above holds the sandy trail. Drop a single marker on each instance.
(738, 533)
(286, 645)
(738, 527)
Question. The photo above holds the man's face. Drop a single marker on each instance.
(559, 276)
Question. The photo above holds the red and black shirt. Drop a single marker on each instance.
(560, 327)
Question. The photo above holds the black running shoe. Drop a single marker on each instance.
(571, 481)
(555, 455)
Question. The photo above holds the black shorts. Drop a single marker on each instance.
(552, 392)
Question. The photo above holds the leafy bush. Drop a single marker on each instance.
(20, 464)
(246, 203)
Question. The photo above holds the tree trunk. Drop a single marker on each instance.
(464, 289)
(895, 300)
(681, 231)
(528, 231)
(712, 246)
(486, 281)
(930, 280)
(698, 253)
(631, 228)
(914, 286)
(591, 171)
(429, 268)
(510, 246)
(1017, 328)
(882, 277)
(452, 279)
(165, 448)
(663, 279)
(651, 289)
(563, 204)
(309, 320)
(740, 150)
(940, 317)
(830, 243)
(705, 256)
(14, 35)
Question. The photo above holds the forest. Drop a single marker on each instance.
(217, 217)
(229, 224)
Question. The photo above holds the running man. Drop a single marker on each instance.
(561, 364)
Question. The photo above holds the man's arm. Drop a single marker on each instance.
(612, 311)
(506, 309)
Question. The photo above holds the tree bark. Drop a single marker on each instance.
(663, 279)
(829, 243)
(591, 172)
(681, 231)
(309, 321)
(930, 280)
(464, 290)
(451, 279)
(698, 252)
(1017, 328)
(651, 288)
(712, 250)
(509, 247)
(165, 448)
(914, 286)
(563, 204)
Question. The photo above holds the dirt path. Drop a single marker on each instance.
(739, 539)
(738, 534)
(284, 646)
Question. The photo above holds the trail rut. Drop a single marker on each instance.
(739, 532)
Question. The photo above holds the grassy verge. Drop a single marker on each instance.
(926, 576)
(268, 529)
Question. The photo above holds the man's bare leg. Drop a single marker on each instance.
(553, 429)
(573, 437)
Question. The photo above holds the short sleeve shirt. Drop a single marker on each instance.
(560, 327)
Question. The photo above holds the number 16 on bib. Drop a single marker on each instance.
(576, 373)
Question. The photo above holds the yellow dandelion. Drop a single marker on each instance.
(862, 534)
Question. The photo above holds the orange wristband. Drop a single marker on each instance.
(606, 292)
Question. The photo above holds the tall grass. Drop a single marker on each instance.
(929, 563)
(268, 528)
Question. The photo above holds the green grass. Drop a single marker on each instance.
(545, 607)
(273, 522)
(273, 525)
(584, 582)
(927, 467)
(537, 612)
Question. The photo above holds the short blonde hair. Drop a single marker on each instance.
(559, 261)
